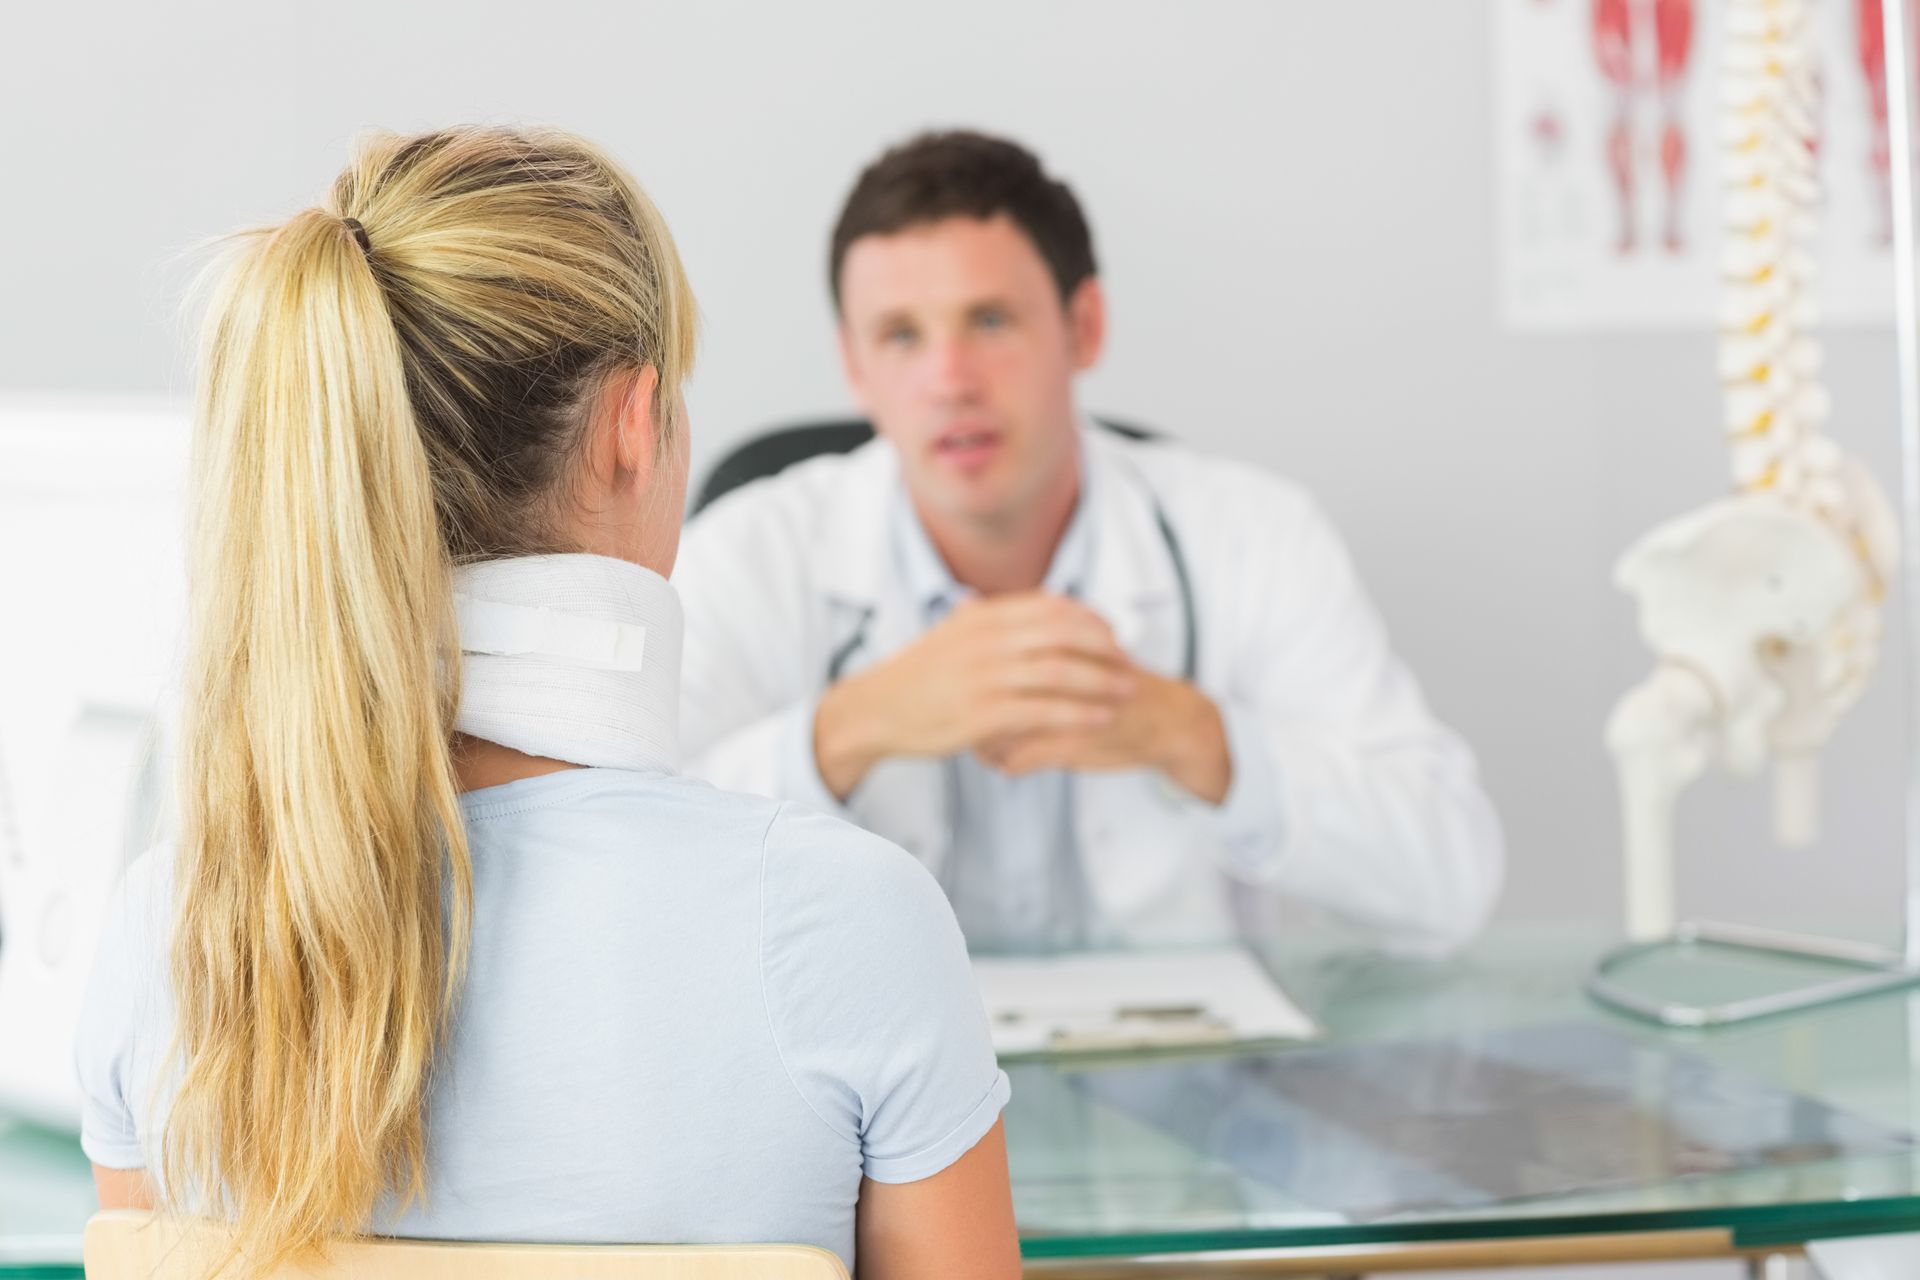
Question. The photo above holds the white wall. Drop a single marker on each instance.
(1293, 202)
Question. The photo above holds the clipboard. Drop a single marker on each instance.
(1118, 1001)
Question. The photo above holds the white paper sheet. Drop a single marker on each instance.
(1108, 1000)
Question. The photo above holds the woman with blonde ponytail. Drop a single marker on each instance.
(442, 946)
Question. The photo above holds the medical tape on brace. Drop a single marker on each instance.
(513, 630)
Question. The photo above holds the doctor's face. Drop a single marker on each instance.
(956, 343)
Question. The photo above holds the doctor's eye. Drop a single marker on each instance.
(898, 335)
(991, 318)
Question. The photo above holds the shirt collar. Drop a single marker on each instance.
(931, 584)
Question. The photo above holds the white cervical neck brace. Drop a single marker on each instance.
(571, 657)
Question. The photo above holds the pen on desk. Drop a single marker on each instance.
(1160, 1011)
(1143, 1012)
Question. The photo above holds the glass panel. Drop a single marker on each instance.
(1377, 1131)
(1099, 1170)
(1097, 1173)
(46, 1195)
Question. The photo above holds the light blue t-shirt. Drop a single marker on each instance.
(690, 1016)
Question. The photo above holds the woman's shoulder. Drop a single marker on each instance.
(871, 998)
(814, 860)
(142, 907)
(839, 900)
(627, 802)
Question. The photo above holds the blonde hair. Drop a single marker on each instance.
(369, 415)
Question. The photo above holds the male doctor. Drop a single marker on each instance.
(1110, 691)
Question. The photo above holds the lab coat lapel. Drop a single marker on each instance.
(905, 800)
(1133, 584)
(1131, 824)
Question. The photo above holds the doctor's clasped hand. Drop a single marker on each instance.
(1026, 681)
(1164, 724)
(995, 670)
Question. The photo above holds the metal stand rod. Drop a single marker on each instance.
(1882, 970)
(1906, 310)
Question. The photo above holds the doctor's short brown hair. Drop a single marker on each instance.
(959, 173)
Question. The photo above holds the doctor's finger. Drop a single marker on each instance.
(1067, 673)
(1021, 609)
(1082, 633)
(1033, 755)
(993, 752)
(1072, 750)
(1020, 714)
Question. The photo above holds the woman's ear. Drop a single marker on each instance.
(637, 423)
(619, 459)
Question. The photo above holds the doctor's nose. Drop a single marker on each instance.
(953, 371)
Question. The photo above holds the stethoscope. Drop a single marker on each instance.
(1190, 652)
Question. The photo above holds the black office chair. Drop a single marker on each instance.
(771, 452)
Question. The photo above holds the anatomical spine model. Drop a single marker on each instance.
(1763, 608)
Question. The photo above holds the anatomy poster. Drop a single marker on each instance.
(1609, 167)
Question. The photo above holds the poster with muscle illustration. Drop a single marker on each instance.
(1609, 167)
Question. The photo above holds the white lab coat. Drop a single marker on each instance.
(1346, 794)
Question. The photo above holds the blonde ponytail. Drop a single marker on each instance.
(368, 414)
(322, 862)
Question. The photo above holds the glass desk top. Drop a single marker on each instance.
(1095, 1178)
(1796, 1126)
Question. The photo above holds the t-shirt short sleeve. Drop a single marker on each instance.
(872, 1001)
(128, 970)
